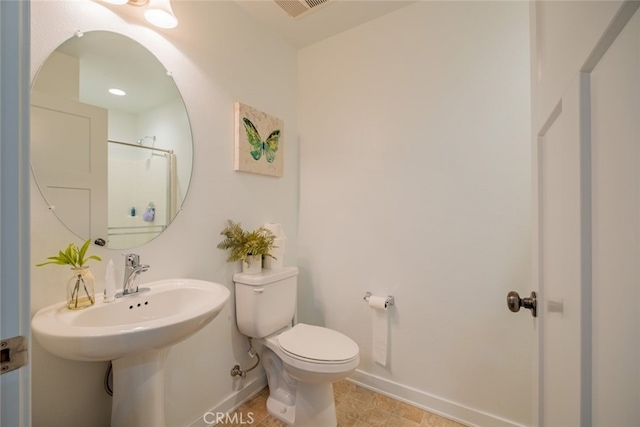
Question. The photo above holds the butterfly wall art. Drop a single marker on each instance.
(258, 141)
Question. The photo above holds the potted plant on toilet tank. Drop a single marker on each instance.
(247, 246)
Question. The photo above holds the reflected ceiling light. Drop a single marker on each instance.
(119, 92)
(159, 13)
(116, 1)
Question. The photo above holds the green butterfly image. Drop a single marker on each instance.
(258, 146)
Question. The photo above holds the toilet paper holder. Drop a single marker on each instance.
(389, 301)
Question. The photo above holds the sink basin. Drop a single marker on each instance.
(135, 333)
(168, 312)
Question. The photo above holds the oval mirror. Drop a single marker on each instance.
(111, 145)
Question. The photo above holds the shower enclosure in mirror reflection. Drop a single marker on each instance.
(113, 165)
(139, 213)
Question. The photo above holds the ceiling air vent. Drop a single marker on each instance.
(296, 8)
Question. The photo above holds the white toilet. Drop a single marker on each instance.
(303, 361)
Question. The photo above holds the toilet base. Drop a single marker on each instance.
(284, 413)
(315, 406)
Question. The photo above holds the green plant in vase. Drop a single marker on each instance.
(80, 287)
(247, 246)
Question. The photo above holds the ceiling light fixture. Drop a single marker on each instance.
(159, 13)
(119, 92)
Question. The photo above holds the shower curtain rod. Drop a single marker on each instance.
(140, 146)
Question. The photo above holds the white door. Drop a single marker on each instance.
(587, 262)
(615, 197)
(15, 410)
(69, 158)
(560, 275)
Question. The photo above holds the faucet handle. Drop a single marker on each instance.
(131, 260)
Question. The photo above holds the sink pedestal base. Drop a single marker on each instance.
(138, 390)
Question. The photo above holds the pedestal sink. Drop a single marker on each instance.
(134, 332)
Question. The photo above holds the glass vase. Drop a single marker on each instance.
(80, 289)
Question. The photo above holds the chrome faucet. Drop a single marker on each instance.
(132, 269)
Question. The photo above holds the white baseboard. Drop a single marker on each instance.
(428, 402)
(234, 400)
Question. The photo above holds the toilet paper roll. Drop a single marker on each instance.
(380, 329)
(274, 264)
(275, 228)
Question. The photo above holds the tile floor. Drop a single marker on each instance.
(356, 407)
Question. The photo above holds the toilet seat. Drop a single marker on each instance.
(315, 344)
(306, 340)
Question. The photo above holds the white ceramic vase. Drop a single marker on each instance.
(254, 266)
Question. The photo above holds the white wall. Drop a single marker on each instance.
(123, 126)
(415, 182)
(212, 55)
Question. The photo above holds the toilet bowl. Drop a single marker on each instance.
(302, 361)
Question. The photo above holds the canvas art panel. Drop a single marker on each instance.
(258, 142)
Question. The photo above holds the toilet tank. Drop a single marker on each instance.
(266, 301)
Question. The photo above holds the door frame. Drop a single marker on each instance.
(15, 386)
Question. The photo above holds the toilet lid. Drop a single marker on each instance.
(317, 343)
